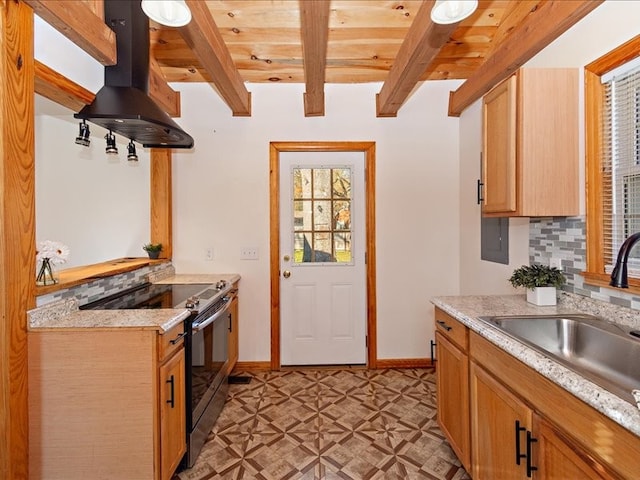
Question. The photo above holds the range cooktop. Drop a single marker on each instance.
(194, 296)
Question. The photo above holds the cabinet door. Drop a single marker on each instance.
(499, 148)
(499, 426)
(233, 334)
(173, 430)
(558, 458)
(452, 376)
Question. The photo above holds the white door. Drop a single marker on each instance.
(322, 258)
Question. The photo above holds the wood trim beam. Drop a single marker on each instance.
(550, 20)
(314, 17)
(17, 231)
(160, 91)
(369, 149)
(161, 200)
(203, 37)
(422, 43)
(78, 22)
(59, 89)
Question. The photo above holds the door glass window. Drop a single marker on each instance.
(322, 215)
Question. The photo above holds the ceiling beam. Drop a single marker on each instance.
(166, 97)
(422, 43)
(204, 38)
(314, 17)
(78, 22)
(60, 89)
(541, 26)
(63, 91)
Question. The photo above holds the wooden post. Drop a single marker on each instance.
(17, 230)
(161, 199)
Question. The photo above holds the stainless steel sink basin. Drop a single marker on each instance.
(607, 354)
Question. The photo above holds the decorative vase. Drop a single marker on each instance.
(542, 296)
(45, 274)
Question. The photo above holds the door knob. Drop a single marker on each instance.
(286, 274)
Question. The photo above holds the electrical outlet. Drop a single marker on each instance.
(555, 262)
(249, 253)
(208, 254)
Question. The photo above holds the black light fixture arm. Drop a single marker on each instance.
(619, 277)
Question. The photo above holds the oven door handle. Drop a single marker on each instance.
(196, 327)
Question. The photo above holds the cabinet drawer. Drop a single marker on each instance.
(451, 328)
(170, 341)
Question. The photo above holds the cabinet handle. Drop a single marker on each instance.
(518, 454)
(530, 441)
(171, 401)
(444, 325)
(178, 338)
(230, 325)
(479, 192)
(433, 358)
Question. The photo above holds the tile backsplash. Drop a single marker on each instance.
(103, 287)
(565, 238)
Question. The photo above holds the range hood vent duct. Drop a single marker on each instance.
(123, 104)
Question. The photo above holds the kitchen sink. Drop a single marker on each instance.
(606, 353)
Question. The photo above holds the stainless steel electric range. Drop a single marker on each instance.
(206, 349)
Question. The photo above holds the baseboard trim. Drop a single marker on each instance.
(252, 366)
(404, 363)
(380, 364)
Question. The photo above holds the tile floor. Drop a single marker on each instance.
(322, 424)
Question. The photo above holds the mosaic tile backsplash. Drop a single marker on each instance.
(565, 238)
(96, 289)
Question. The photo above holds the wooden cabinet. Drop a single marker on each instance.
(530, 145)
(524, 426)
(233, 332)
(500, 428)
(173, 429)
(452, 384)
(106, 403)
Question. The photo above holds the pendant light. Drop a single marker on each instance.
(172, 13)
(445, 12)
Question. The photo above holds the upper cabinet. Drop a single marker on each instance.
(530, 145)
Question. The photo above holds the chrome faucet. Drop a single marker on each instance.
(619, 275)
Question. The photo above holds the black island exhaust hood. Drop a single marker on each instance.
(123, 104)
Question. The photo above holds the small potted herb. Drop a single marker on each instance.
(153, 249)
(541, 282)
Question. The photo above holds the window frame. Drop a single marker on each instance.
(594, 106)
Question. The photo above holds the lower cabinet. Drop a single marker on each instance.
(452, 381)
(521, 425)
(106, 403)
(500, 430)
(233, 333)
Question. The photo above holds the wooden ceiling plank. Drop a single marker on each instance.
(421, 45)
(516, 12)
(59, 89)
(203, 37)
(160, 91)
(314, 16)
(535, 32)
(77, 22)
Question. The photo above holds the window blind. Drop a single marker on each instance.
(621, 165)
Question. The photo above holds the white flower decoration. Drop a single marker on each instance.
(56, 252)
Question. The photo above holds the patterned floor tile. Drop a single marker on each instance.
(329, 424)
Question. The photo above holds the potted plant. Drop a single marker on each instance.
(540, 281)
(153, 249)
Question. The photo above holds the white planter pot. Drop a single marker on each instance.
(542, 296)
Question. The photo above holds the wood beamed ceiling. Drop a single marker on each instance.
(230, 43)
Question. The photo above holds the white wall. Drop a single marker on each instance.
(611, 24)
(222, 198)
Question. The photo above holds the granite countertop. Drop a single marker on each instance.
(64, 314)
(467, 309)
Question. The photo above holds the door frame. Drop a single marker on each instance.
(369, 150)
